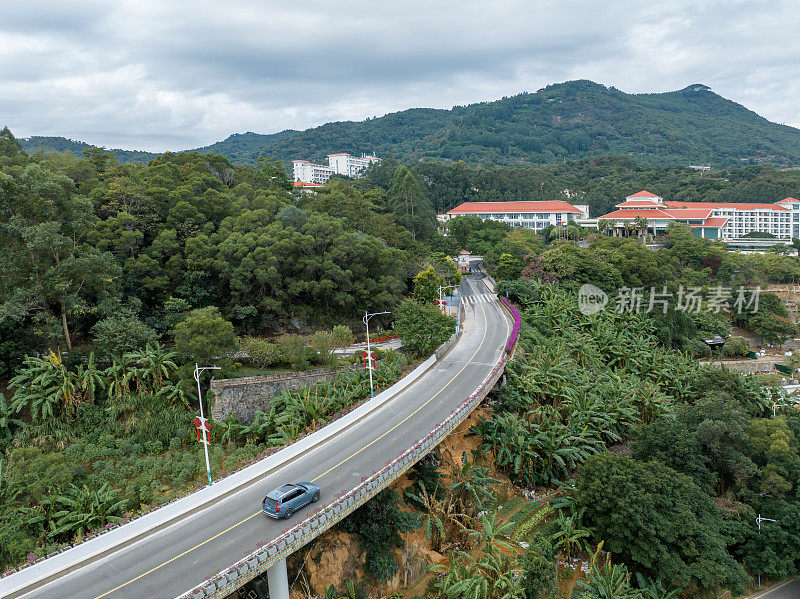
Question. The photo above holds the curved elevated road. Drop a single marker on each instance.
(168, 562)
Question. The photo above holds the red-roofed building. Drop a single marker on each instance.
(532, 215)
(712, 220)
(306, 187)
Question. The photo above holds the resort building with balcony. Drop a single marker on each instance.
(531, 215)
(710, 220)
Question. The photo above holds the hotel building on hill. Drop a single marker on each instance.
(711, 220)
(341, 163)
(531, 215)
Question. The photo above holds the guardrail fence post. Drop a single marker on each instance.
(278, 580)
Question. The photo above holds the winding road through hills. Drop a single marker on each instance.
(168, 562)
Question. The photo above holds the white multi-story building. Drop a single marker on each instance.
(345, 164)
(712, 220)
(308, 172)
(341, 163)
(531, 215)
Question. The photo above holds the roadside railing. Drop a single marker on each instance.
(512, 340)
(321, 519)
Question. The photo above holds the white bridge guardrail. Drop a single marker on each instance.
(84, 553)
(27, 578)
(321, 519)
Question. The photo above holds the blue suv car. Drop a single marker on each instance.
(287, 499)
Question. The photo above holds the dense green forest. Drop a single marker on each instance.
(116, 279)
(563, 121)
(140, 270)
(658, 461)
(62, 144)
(87, 239)
(601, 182)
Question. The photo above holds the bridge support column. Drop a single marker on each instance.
(278, 580)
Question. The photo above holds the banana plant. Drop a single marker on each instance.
(83, 509)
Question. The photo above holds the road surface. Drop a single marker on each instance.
(782, 590)
(175, 559)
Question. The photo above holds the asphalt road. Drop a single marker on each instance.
(175, 559)
(785, 590)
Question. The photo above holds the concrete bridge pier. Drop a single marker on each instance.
(278, 580)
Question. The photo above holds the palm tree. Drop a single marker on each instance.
(156, 364)
(640, 223)
(90, 379)
(491, 574)
(436, 516)
(44, 386)
(261, 427)
(569, 534)
(471, 486)
(120, 374)
(231, 428)
(84, 509)
(606, 581)
(655, 589)
(492, 535)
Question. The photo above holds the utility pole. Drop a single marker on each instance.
(441, 297)
(759, 520)
(366, 318)
(198, 370)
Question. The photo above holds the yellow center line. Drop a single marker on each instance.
(132, 580)
(412, 413)
(177, 556)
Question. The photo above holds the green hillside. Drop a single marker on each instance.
(576, 119)
(62, 144)
(568, 120)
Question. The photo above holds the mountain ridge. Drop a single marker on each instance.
(568, 120)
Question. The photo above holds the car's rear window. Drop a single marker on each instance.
(270, 503)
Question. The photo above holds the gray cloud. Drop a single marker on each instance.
(161, 75)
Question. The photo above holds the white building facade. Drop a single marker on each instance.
(531, 215)
(712, 220)
(341, 163)
(308, 172)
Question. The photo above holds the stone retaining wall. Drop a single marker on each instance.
(242, 397)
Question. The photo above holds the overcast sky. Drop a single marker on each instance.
(166, 75)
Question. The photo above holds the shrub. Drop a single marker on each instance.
(380, 523)
(204, 335)
(735, 346)
(538, 565)
(323, 345)
(422, 327)
(698, 348)
(260, 352)
(294, 351)
(117, 335)
(342, 336)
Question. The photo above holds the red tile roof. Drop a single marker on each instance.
(689, 212)
(637, 204)
(790, 199)
(304, 184)
(643, 194)
(714, 205)
(715, 221)
(654, 214)
(503, 207)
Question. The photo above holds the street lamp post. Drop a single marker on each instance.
(441, 300)
(759, 520)
(366, 318)
(198, 370)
